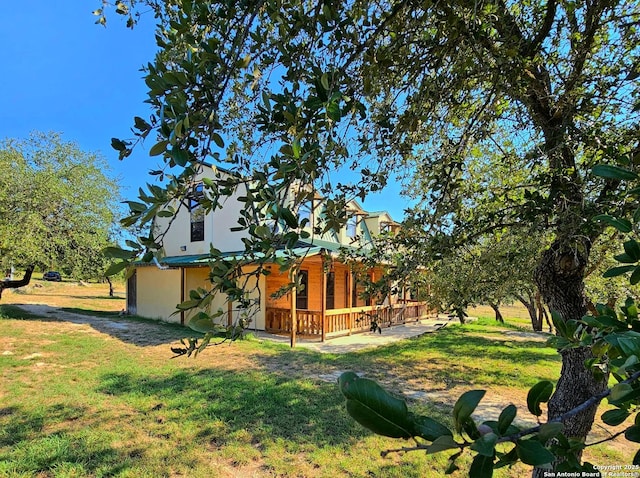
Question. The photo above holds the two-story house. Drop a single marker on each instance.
(330, 302)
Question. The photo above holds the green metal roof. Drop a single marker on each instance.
(302, 249)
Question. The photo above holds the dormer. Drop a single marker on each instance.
(356, 230)
(381, 222)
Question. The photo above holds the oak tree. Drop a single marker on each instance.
(285, 93)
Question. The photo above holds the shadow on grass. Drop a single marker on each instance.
(267, 406)
(93, 312)
(452, 356)
(460, 354)
(130, 329)
(26, 447)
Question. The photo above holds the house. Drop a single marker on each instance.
(330, 303)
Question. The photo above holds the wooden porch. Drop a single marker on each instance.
(332, 301)
(338, 322)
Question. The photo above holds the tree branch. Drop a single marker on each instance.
(535, 43)
(574, 411)
(14, 284)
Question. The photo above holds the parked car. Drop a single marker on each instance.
(52, 275)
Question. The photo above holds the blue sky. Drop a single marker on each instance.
(61, 72)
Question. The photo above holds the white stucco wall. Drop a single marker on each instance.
(217, 227)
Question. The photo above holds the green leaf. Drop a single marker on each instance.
(622, 225)
(136, 206)
(506, 418)
(429, 429)
(539, 393)
(632, 248)
(635, 276)
(188, 304)
(481, 467)
(289, 218)
(324, 81)
(202, 323)
(559, 323)
(625, 258)
(465, 406)
(630, 345)
(445, 442)
(180, 156)
(115, 268)
(633, 433)
(507, 459)
(486, 444)
(533, 453)
(333, 111)
(266, 99)
(549, 430)
(617, 271)
(118, 253)
(118, 145)
(158, 148)
(372, 407)
(619, 391)
(613, 172)
(217, 139)
(615, 417)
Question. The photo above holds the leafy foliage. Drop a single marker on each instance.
(57, 206)
(495, 112)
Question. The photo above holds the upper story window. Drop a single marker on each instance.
(352, 227)
(196, 211)
(304, 212)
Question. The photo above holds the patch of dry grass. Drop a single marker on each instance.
(68, 294)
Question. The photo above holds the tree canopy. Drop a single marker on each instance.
(57, 206)
(497, 111)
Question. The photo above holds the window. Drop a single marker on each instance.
(331, 291)
(352, 227)
(304, 212)
(196, 210)
(302, 293)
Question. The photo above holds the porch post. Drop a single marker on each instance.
(350, 299)
(323, 301)
(372, 298)
(229, 313)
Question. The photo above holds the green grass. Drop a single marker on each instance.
(79, 403)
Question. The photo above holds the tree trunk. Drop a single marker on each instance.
(496, 309)
(110, 286)
(559, 277)
(542, 313)
(536, 321)
(14, 284)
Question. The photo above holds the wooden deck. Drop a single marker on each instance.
(338, 322)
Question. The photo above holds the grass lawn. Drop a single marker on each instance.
(79, 400)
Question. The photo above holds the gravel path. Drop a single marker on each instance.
(134, 332)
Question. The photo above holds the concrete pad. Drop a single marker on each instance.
(361, 341)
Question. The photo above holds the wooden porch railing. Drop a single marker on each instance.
(343, 321)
